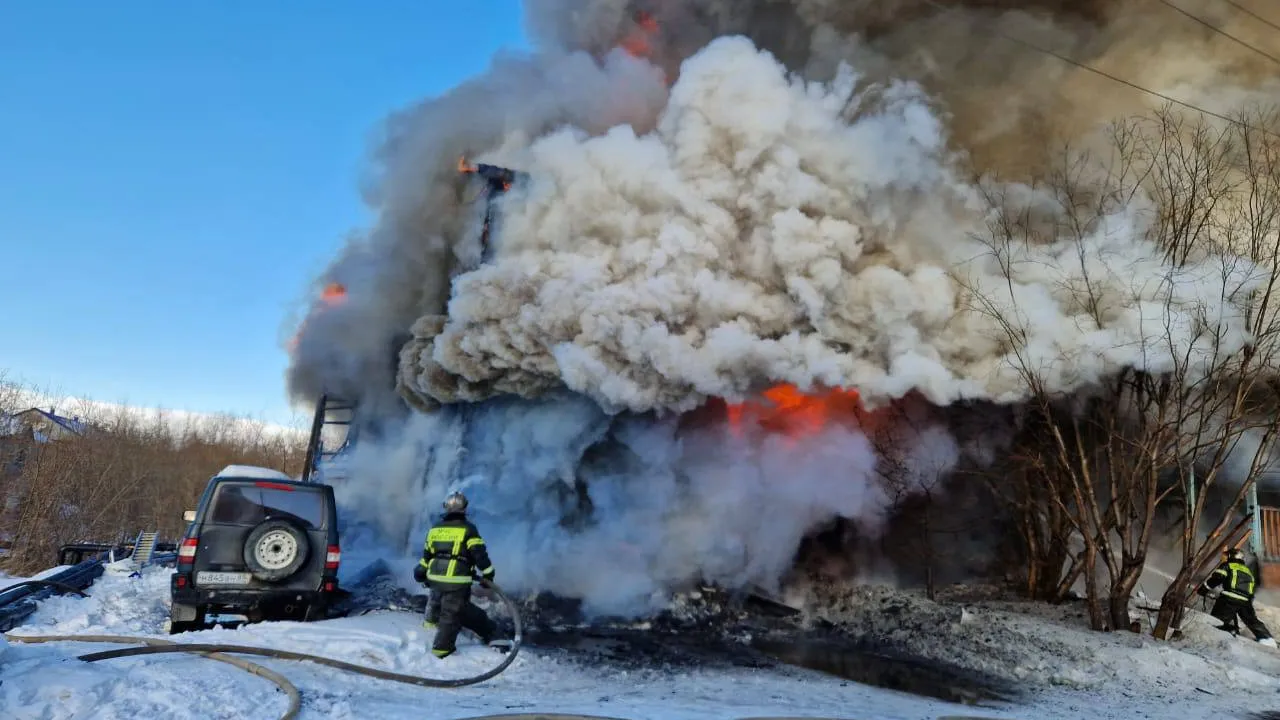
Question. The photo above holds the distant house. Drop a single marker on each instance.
(19, 433)
(42, 425)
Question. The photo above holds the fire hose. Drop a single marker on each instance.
(289, 689)
(151, 646)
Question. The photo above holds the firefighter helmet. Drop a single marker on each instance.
(456, 502)
(1235, 553)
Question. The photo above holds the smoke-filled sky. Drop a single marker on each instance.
(723, 195)
(773, 192)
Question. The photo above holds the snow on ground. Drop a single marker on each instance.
(7, 580)
(1050, 649)
(1068, 666)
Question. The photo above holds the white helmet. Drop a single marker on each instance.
(456, 502)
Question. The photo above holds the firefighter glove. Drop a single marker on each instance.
(419, 573)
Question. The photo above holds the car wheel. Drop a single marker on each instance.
(275, 550)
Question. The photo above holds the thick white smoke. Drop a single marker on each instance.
(622, 510)
(426, 225)
(743, 226)
(771, 229)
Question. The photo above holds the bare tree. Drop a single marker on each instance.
(1109, 455)
(1091, 461)
(131, 471)
(915, 457)
(1220, 188)
(1023, 481)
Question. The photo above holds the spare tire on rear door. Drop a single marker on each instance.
(275, 550)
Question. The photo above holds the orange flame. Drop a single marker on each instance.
(786, 410)
(335, 293)
(466, 167)
(639, 41)
(646, 22)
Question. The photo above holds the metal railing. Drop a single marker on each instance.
(86, 560)
(74, 553)
(17, 602)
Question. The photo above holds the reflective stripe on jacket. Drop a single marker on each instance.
(454, 551)
(1236, 580)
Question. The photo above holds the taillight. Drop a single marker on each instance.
(187, 551)
(332, 558)
(182, 581)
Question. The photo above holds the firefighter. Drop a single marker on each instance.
(433, 606)
(452, 554)
(1236, 597)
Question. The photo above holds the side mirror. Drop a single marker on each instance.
(189, 516)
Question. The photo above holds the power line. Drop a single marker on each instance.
(1122, 81)
(1221, 32)
(1251, 13)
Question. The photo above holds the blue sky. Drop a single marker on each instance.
(173, 175)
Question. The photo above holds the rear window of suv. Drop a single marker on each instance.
(251, 503)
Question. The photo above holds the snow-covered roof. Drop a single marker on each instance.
(12, 423)
(252, 471)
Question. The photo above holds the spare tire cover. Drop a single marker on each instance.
(275, 550)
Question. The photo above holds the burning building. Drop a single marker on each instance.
(730, 275)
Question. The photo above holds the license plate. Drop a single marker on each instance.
(205, 577)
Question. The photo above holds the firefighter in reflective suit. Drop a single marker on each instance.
(1236, 597)
(452, 554)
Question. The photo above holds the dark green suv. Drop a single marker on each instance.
(260, 545)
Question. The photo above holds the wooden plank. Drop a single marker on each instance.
(1270, 534)
(1270, 575)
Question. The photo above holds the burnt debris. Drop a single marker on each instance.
(713, 628)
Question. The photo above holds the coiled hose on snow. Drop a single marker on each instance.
(151, 646)
(295, 698)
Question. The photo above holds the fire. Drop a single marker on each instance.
(466, 168)
(333, 294)
(639, 41)
(646, 22)
(786, 410)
